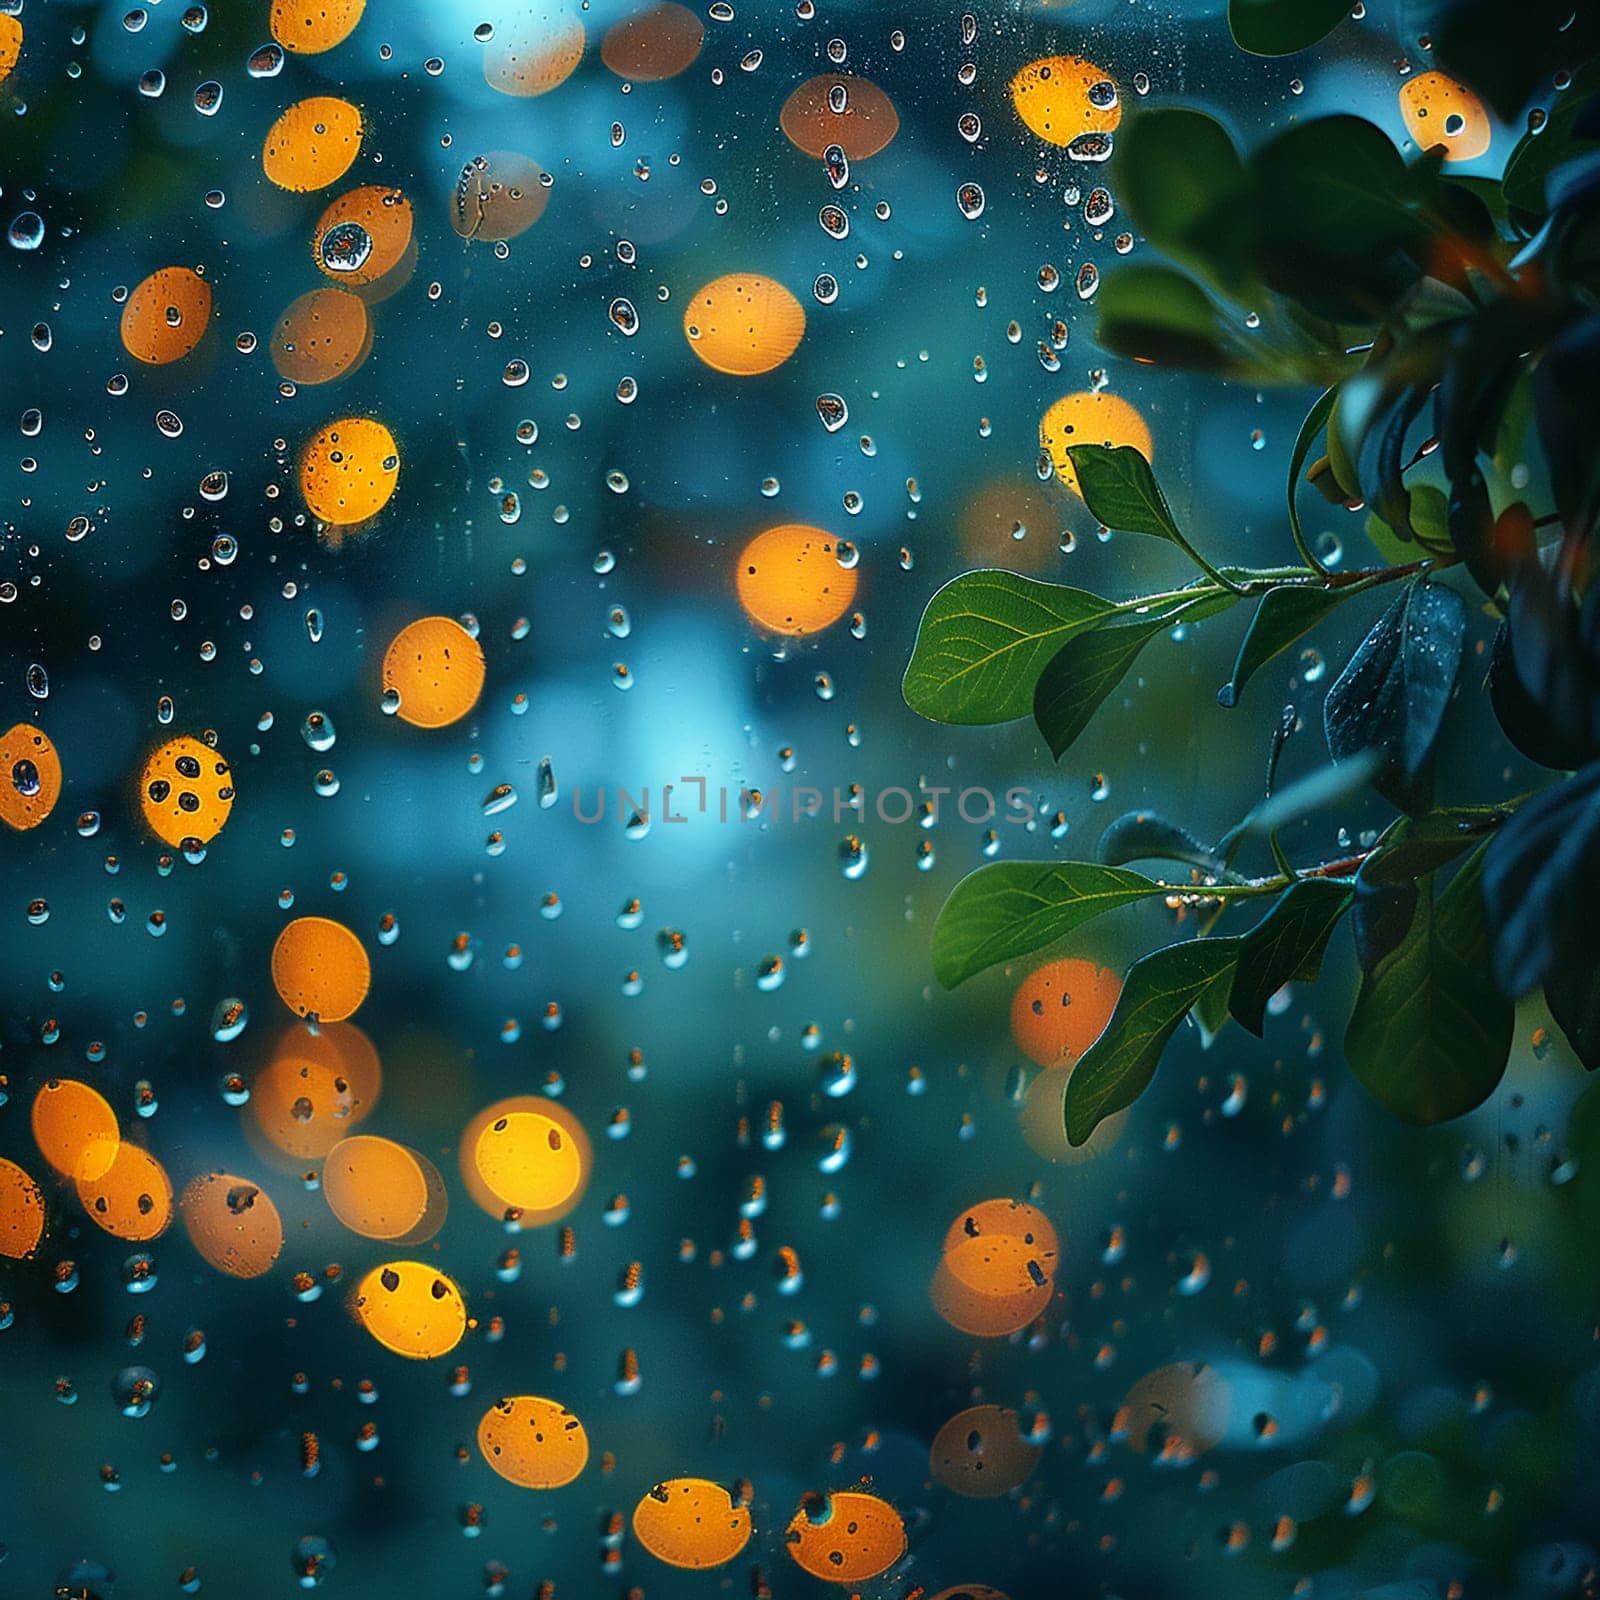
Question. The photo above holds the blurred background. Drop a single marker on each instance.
(1404, 1322)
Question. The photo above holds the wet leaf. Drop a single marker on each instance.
(1537, 155)
(1284, 615)
(983, 641)
(1541, 885)
(1431, 1030)
(1391, 697)
(1013, 908)
(1416, 846)
(1157, 994)
(1287, 945)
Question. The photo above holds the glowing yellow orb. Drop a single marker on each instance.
(790, 581)
(21, 1212)
(1063, 97)
(75, 1129)
(691, 1522)
(528, 1160)
(436, 668)
(312, 144)
(349, 469)
(412, 1309)
(132, 1199)
(533, 1442)
(320, 969)
(846, 1537)
(383, 1190)
(744, 324)
(185, 791)
(505, 1158)
(166, 316)
(1439, 112)
(30, 777)
(308, 27)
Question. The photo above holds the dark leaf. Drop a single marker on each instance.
(1478, 385)
(1145, 836)
(1391, 696)
(1157, 315)
(1545, 679)
(984, 640)
(1285, 614)
(1081, 674)
(1569, 422)
(1565, 134)
(1351, 224)
(1380, 917)
(1572, 991)
(1542, 885)
(1528, 725)
(1280, 27)
(1156, 996)
(1507, 64)
(1285, 946)
(1431, 1031)
(1013, 908)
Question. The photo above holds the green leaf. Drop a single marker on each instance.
(1537, 155)
(1285, 946)
(1430, 1032)
(1285, 614)
(1351, 224)
(1119, 488)
(1414, 847)
(1156, 996)
(1013, 908)
(1391, 698)
(1082, 674)
(1181, 179)
(1280, 27)
(984, 640)
(1315, 424)
(1211, 1012)
(1148, 836)
(1157, 315)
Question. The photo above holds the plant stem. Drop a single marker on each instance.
(1258, 580)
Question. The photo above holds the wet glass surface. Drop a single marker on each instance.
(429, 442)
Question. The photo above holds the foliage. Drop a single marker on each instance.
(1454, 327)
